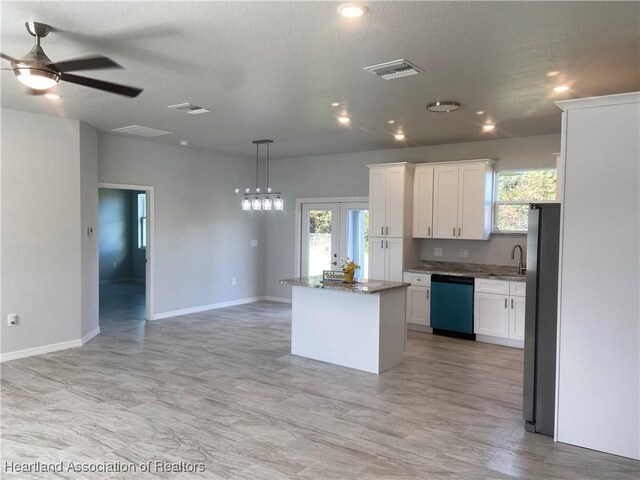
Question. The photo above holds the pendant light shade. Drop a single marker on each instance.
(261, 198)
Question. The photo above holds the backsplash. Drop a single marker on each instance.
(495, 251)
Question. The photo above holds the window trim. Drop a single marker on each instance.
(496, 202)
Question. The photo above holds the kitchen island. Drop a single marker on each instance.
(359, 325)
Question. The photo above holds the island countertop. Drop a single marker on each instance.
(363, 286)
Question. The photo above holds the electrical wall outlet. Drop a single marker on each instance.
(12, 319)
(437, 252)
(233, 280)
(464, 252)
(254, 243)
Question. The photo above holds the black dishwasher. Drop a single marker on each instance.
(452, 306)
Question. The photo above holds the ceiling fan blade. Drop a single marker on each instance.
(101, 85)
(7, 57)
(85, 63)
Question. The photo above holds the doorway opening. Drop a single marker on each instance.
(125, 248)
(330, 230)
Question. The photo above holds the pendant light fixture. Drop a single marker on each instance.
(258, 199)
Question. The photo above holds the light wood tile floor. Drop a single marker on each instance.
(220, 387)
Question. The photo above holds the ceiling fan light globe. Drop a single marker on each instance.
(37, 79)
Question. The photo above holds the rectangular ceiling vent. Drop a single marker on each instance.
(189, 108)
(141, 131)
(395, 69)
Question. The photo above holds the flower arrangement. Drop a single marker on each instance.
(348, 267)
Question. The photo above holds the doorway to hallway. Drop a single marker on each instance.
(125, 253)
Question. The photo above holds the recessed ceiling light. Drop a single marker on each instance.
(488, 127)
(391, 122)
(335, 104)
(443, 107)
(184, 143)
(399, 136)
(561, 88)
(344, 119)
(553, 73)
(480, 112)
(352, 10)
(52, 96)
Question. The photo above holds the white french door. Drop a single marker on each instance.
(330, 232)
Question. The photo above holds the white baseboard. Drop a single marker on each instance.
(419, 328)
(507, 342)
(29, 352)
(90, 335)
(204, 308)
(277, 299)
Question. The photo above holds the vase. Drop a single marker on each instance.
(348, 277)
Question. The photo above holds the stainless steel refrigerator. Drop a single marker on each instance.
(541, 319)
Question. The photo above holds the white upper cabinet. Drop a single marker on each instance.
(445, 201)
(394, 201)
(423, 201)
(472, 201)
(377, 201)
(390, 195)
(462, 193)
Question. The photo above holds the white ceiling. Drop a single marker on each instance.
(271, 69)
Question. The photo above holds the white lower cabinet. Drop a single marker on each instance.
(418, 303)
(491, 315)
(386, 256)
(499, 317)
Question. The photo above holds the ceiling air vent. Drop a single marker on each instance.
(395, 69)
(191, 109)
(141, 131)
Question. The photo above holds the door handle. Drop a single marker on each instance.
(334, 263)
(454, 231)
(387, 243)
(505, 303)
(381, 243)
(381, 230)
(428, 230)
(459, 231)
(387, 230)
(512, 304)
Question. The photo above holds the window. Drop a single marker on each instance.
(142, 220)
(515, 190)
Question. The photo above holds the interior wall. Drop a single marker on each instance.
(45, 164)
(598, 398)
(88, 235)
(347, 175)
(202, 237)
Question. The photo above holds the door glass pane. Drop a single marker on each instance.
(358, 240)
(319, 238)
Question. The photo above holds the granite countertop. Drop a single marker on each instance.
(476, 270)
(364, 286)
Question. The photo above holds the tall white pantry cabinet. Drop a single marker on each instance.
(598, 371)
(391, 247)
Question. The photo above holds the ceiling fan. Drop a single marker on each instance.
(39, 73)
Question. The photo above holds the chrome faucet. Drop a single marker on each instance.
(522, 268)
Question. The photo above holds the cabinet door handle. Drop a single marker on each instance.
(381, 243)
(505, 303)
(454, 231)
(429, 231)
(459, 231)
(512, 304)
(387, 230)
(381, 230)
(427, 294)
(387, 243)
